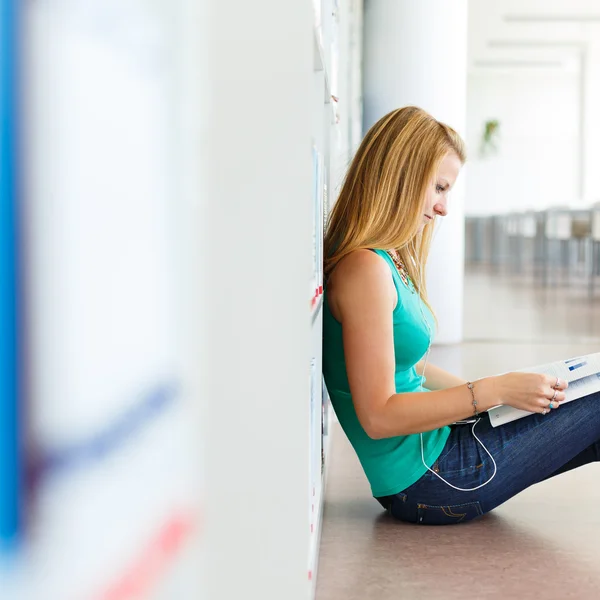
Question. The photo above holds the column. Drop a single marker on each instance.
(415, 53)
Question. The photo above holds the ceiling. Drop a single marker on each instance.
(531, 34)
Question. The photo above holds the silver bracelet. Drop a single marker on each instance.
(471, 386)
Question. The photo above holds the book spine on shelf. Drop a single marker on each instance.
(9, 356)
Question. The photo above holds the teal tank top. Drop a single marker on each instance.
(391, 464)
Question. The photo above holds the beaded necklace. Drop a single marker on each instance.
(401, 270)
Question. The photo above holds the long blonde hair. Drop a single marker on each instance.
(381, 201)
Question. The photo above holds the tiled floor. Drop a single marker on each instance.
(544, 543)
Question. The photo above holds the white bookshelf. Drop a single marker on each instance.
(336, 117)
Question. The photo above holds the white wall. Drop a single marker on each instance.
(591, 132)
(537, 164)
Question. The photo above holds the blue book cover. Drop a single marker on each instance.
(9, 378)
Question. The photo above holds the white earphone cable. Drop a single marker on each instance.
(422, 389)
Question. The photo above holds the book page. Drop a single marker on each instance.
(571, 369)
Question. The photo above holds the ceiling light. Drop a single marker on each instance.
(551, 18)
(518, 63)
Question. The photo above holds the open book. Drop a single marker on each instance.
(582, 373)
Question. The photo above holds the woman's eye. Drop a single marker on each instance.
(439, 189)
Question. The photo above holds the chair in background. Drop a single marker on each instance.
(558, 225)
(594, 247)
(579, 244)
(525, 246)
(501, 228)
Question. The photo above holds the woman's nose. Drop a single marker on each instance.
(441, 209)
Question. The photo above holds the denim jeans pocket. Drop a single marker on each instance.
(409, 511)
(449, 514)
(445, 454)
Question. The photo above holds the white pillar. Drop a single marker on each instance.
(415, 53)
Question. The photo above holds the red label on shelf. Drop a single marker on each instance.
(137, 581)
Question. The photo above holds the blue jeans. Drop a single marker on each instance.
(526, 451)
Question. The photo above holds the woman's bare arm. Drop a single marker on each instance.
(365, 298)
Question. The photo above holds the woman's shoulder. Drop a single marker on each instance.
(359, 267)
(362, 274)
(363, 261)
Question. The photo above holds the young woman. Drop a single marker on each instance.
(377, 330)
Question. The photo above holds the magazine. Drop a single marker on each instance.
(582, 373)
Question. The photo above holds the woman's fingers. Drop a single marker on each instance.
(556, 396)
(551, 401)
(556, 383)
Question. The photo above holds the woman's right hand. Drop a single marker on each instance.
(532, 392)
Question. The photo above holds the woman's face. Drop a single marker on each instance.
(436, 200)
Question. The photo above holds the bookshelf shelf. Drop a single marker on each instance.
(335, 108)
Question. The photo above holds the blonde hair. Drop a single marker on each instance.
(381, 201)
